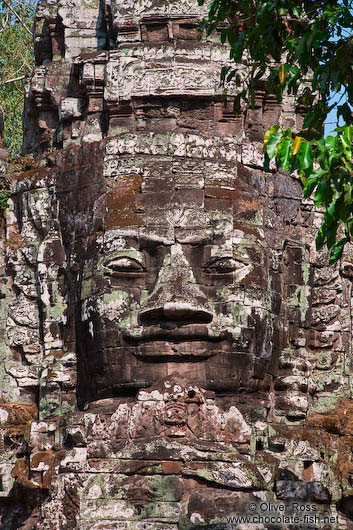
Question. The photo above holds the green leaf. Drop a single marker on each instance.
(347, 197)
(266, 162)
(320, 237)
(312, 181)
(320, 144)
(331, 234)
(337, 250)
(321, 193)
(331, 209)
(230, 76)
(269, 133)
(331, 142)
(295, 11)
(346, 145)
(344, 111)
(224, 73)
(238, 47)
(348, 133)
(231, 36)
(272, 144)
(305, 155)
(236, 105)
(285, 155)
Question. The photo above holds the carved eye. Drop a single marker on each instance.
(221, 266)
(123, 264)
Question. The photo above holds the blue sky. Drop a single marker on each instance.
(331, 122)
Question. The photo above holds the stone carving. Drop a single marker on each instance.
(172, 346)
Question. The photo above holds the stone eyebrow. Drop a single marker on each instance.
(154, 239)
(194, 239)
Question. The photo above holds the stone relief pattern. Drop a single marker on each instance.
(172, 346)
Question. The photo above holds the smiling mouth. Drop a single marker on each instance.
(172, 333)
(184, 343)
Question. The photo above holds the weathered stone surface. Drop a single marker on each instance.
(173, 350)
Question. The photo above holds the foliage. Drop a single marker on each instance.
(4, 196)
(324, 165)
(16, 60)
(304, 48)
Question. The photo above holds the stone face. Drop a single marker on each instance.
(173, 350)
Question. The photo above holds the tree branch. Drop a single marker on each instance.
(17, 16)
(12, 80)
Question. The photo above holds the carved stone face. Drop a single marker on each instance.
(175, 282)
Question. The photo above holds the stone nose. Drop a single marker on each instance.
(176, 296)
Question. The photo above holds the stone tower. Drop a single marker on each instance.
(173, 352)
